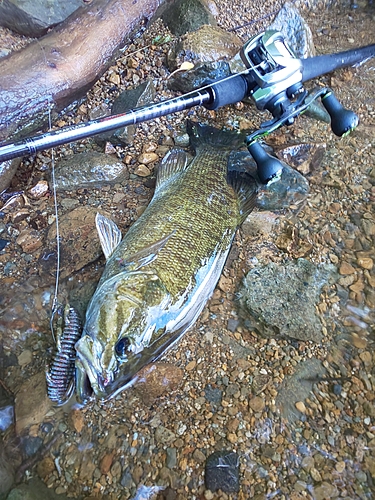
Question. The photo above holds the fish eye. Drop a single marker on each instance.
(122, 346)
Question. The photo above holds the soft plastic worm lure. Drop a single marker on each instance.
(60, 376)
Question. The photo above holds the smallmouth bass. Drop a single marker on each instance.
(158, 278)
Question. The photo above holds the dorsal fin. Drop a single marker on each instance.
(174, 162)
(246, 189)
(109, 234)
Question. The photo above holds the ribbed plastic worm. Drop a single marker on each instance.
(60, 376)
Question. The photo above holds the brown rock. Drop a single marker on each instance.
(32, 402)
(190, 366)
(142, 170)
(300, 405)
(40, 189)
(106, 462)
(346, 268)
(78, 420)
(30, 240)
(366, 262)
(45, 467)
(257, 404)
(157, 379)
(147, 158)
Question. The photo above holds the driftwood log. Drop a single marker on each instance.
(60, 67)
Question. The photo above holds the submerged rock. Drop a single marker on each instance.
(33, 18)
(35, 489)
(79, 243)
(207, 44)
(222, 471)
(279, 300)
(127, 100)
(296, 31)
(90, 169)
(32, 403)
(296, 388)
(178, 16)
(157, 379)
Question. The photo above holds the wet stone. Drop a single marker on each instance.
(90, 169)
(31, 445)
(213, 394)
(222, 472)
(296, 31)
(279, 300)
(206, 44)
(157, 379)
(177, 16)
(129, 99)
(171, 460)
(126, 480)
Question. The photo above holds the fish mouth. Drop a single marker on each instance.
(92, 385)
(88, 389)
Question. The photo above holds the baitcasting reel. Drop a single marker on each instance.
(277, 86)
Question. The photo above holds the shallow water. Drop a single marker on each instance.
(223, 386)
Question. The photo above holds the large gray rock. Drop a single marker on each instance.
(34, 490)
(280, 299)
(207, 44)
(90, 169)
(296, 31)
(127, 100)
(34, 17)
(184, 16)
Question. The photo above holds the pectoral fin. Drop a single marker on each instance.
(146, 255)
(109, 234)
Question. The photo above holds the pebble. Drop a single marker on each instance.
(157, 379)
(147, 158)
(366, 263)
(142, 170)
(106, 462)
(40, 189)
(346, 268)
(257, 404)
(300, 405)
(171, 460)
(78, 420)
(30, 240)
(25, 357)
(340, 466)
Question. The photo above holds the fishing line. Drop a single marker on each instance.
(58, 253)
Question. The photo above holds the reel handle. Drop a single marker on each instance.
(269, 167)
(343, 121)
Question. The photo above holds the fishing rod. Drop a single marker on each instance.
(273, 78)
